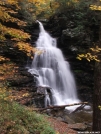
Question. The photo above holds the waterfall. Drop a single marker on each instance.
(53, 71)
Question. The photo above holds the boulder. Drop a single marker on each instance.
(68, 120)
(78, 126)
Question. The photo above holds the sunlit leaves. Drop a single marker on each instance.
(12, 2)
(2, 37)
(99, 107)
(95, 7)
(96, 49)
(14, 33)
(4, 15)
(88, 56)
(28, 8)
(26, 47)
(5, 11)
(91, 55)
(7, 69)
(2, 58)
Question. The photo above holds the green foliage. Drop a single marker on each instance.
(15, 119)
(78, 12)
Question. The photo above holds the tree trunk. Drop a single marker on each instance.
(97, 92)
(97, 98)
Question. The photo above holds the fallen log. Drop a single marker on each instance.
(62, 106)
(78, 108)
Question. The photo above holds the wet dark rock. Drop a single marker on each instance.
(39, 100)
(57, 112)
(68, 120)
(25, 72)
(43, 89)
(20, 81)
(60, 119)
(81, 116)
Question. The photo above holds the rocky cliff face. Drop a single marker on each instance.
(69, 42)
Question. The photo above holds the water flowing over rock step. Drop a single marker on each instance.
(53, 71)
(63, 106)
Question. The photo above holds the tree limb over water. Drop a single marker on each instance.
(61, 107)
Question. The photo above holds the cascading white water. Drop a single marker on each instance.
(53, 70)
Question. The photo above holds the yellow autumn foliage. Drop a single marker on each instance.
(8, 13)
(26, 47)
(4, 16)
(90, 55)
(96, 49)
(95, 7)
(99, 107)
(14, 33)
(2, 58)
(41, 6)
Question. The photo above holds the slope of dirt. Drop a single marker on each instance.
(60, 127)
